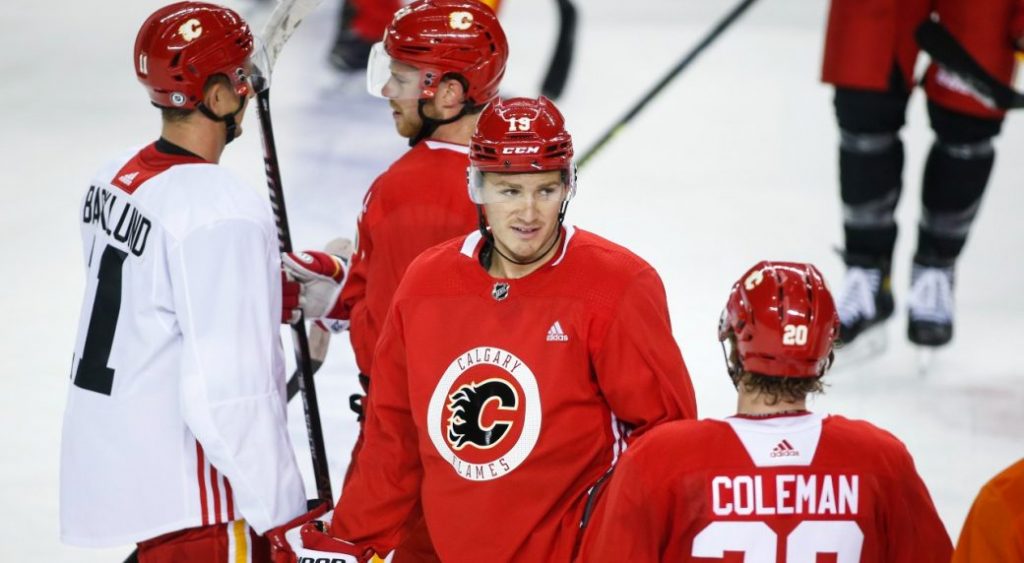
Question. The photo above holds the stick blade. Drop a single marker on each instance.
(283, 21)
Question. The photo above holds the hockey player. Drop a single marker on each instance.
(994, 529)
(870, 54)
(515, 364)
(174, 431)
(440, 63)
(774, 482)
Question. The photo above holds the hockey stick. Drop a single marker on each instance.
(949, 54)
(561, 60)
(729, 19)
(282, 23)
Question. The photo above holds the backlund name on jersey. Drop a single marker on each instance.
(130, 228)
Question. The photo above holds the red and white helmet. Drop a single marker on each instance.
(434, 38)
(784, 320)
(182, 45)
(520, 135)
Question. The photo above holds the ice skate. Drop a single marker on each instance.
(930, 311)
(864, 303)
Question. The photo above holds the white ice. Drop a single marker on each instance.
(734, 162)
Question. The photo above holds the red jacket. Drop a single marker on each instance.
(499, 403)
(418, 202)
(787, 488)
(865, 38)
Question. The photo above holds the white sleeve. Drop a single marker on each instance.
(227, 297)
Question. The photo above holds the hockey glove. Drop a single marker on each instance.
(321, 275)
(308, 539)
(291, 292)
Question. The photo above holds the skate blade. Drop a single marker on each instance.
(871, 344)
(925, 358)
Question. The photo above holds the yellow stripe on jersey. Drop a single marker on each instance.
(239, 530)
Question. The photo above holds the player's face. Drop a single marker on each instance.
(406, 116)
(522, 210)
(402, 92)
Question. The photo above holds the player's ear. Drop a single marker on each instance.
(219, 96)
(450, 95)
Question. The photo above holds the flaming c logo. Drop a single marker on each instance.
(190, 30)
(460, 20)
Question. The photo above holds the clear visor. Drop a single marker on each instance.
(554, 187)
(394, 80)
(258, 69)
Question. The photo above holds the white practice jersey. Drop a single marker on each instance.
(175, 414)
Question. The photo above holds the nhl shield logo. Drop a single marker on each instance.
(500, 291)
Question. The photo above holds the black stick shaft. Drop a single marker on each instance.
(724, 24)
(299, 337)
(561, 59)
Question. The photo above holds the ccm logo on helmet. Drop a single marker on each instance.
(520, 150)
(460, 20)
(190, 30)
(323, 560)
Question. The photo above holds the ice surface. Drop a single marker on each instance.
(733, 163)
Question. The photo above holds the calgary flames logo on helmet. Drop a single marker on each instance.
(467, 405)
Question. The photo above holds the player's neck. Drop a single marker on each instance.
(206, 142)
(504, 268)
(757, 404)
(458, 132)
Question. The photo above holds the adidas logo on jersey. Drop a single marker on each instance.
(556, 334)
(127, 179)
(785, 449)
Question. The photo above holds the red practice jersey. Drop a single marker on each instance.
(498, 403)
(418, 202)
(994, 530)
(865, 38)
(777, 490)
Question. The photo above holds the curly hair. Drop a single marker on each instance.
(775, 388)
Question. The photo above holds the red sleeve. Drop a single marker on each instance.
(639, 367)
(1017, 24)
(384, 485)
(916, 535)
(629, 524)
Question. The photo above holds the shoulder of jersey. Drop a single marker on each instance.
(862, 437)
(429, 161)
(595, 253)
(187, 196)
(444, 257)
(687, 443)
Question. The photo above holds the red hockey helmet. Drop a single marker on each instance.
(434, 38)
(520, 135)
(181, 45)
(784, 320)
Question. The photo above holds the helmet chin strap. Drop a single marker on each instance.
(485, 254)
(231, 125)
(430, 124)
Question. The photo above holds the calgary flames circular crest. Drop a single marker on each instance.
(484, 415)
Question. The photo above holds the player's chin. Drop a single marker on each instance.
(406, 128)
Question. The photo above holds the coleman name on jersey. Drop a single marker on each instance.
(117, 218)
(744, 495)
